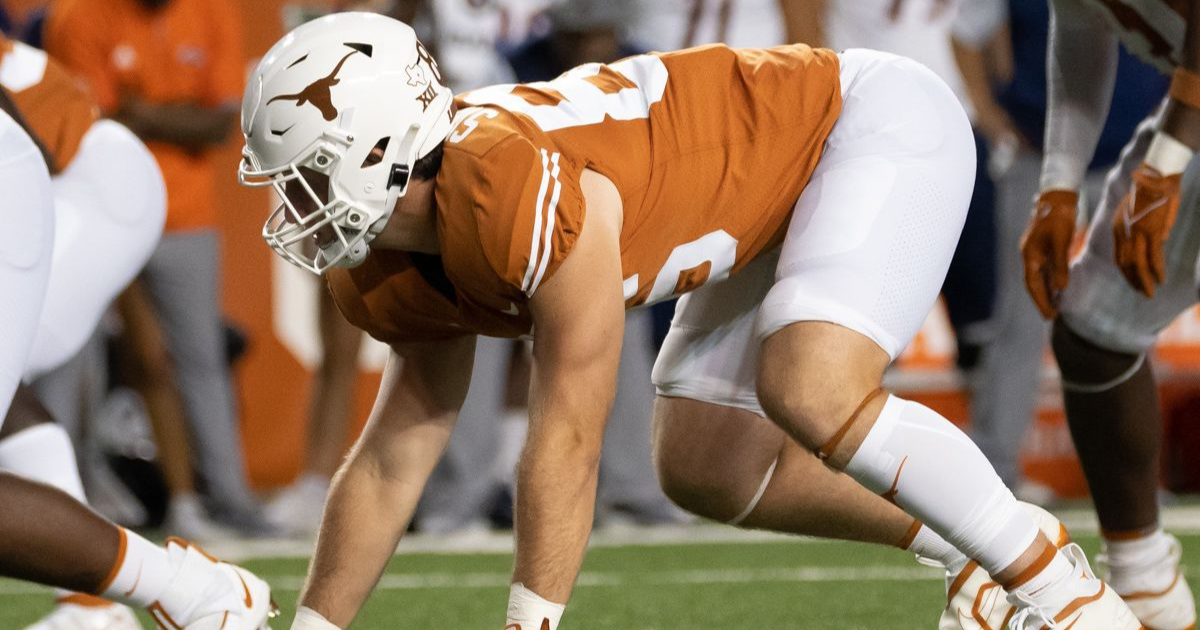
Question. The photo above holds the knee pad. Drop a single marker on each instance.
(1087, 367)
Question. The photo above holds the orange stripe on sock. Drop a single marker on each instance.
(1064, 537)
(960, 580)
(122, 545)
(1127, 535)
(910, 535)
(82, 599)
(1032, 570)
(829, 447)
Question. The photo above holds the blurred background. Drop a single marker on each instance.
(240, 436)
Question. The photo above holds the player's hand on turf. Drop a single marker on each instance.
(1046, 246)
(1141, 225)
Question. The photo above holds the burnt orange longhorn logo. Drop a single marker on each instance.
(319, 93)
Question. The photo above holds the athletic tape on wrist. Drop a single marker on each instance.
(309, 619)
(1167, 155)
(1185, 87)
(529, 611)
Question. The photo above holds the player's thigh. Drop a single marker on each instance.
(27, 220)
(110, 204)
(1098, 303)
(873, 233)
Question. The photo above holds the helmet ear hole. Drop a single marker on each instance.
(377, 153)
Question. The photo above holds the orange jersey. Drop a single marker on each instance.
(709, 149)
(1151, 29)
(190, 51)
(50, 100)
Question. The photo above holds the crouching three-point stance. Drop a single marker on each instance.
(808, 201)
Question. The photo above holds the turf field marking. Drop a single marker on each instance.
(441, 581)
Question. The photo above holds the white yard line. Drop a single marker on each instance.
(442, 581)
(1179, 519)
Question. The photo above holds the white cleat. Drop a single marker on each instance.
(207, 594)
(84, 612)
(1083, 602)
(974, 601)
(1171, 609)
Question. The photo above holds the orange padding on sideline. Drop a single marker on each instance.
(829, 447)
(122, 545)
(1037, 567)
(87, 601)
(1185, 87)
(911, 536)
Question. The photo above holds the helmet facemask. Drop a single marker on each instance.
(334, 117)
(317, 225)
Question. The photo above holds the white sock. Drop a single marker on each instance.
(528, 611)
(927, 544)
(1046, 581)
(141, 572)
(1141, 565)
(933, 471)
(43, 453)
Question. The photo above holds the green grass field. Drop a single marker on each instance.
(772, 585)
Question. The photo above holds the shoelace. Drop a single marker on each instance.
(1030, 614)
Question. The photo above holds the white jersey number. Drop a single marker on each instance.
(583, 102)
(718, 249)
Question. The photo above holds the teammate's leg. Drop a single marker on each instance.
(1101, 341)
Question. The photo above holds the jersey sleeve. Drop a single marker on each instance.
(510, 214)
(389, 298)
(57, 109)
(78, 39)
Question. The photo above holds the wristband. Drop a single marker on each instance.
(1167, 155)
(1185, 87)
(527, 610)
(1062, 171)
(309, 619)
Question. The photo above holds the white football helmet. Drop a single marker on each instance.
(338, 111)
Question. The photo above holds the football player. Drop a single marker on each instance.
(1136, 274)
(806, 202)
(106, 207)
(82, 552)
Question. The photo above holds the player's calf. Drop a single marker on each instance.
(918, 460)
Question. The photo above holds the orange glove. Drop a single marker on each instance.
(1141, 225)
(1046, 247)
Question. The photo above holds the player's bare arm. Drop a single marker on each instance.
(1082, 70)
(578, 322)
(1145, 217)
(192, 126)
(804, 20)
(375, 492)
